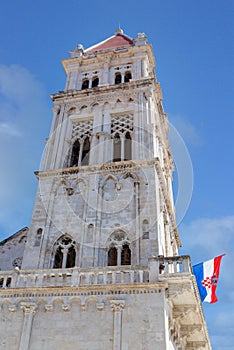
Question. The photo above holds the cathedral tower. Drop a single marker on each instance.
(101, 268)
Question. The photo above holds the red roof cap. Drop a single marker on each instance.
(118, 40)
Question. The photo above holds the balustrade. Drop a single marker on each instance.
(111, 275)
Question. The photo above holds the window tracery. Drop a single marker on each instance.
(119, 252)
(121, 131)
(81, 147)
(64, 253)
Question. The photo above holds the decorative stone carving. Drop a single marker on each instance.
(100, 306)
(81, 129)
(117, 305)
(83, 306)
(66, 307)
(17, 262)
(12, 308)
(49, 307)
(28, 307)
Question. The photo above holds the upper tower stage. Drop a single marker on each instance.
(116, 60)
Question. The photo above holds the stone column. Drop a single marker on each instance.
(29, 310)
(122, 147)
(65, 252)
(119, 251)
(117, 307)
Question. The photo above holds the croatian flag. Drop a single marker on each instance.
(207, 274)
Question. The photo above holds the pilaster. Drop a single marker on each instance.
(29, 310)
(117, 307)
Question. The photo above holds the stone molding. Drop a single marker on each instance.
(119, 167)
(103, 93)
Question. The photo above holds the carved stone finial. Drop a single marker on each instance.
(78, 52)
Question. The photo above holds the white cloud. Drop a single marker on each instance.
(187, 130)
(204, 239)
(9, 129)
(24, 120)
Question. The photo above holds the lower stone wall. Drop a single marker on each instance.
(118, 320)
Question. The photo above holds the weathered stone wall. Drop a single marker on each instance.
(135, 320)
(12, 250)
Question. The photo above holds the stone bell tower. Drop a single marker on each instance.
(101, 268)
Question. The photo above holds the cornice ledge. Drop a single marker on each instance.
(114, 289)
(133, 84)
(99, 168)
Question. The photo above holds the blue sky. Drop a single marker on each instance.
(192, 42)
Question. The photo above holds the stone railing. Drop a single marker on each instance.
(109, 275)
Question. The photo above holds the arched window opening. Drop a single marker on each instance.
(119, 252)
(85, 84)
(112, 257)
(128, 146)
(85, 152)
(117, 149)
(127, 77)
(75, 153)
(38, 237)
(65, 253)
(95, 82)
(126, 255)
(145, 229)
(118, 78)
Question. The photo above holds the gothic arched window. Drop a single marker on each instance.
(127, 76)
(119, 252)
(127, 146)
(38, 237)
(117, 148)
(118, 78)
(65, 253)
(75, 153)
(95, 82)
(85, 152)
(85, 84)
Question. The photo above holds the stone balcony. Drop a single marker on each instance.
(173, 275)
(158, 270)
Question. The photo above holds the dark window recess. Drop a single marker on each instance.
(1, 282)
(95, 82)
(126, 255)
(85, 152)
(118, 78)
(8, 282)
(58, 259)
(85, 84)
(75, 153)
(127, 147)
(65, 255)
(71, 257)
(127, 77)
(38, 237)
(112, 257)
(117, 148)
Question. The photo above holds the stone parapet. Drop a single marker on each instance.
(158, 268)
